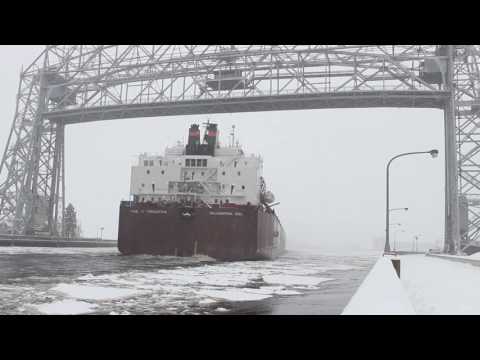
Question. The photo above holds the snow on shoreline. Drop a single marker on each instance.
(12, 250)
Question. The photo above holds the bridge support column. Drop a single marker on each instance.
(29, 197)
(57, 198)
(452, 231)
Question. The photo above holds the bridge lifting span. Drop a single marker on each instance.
(82, 83)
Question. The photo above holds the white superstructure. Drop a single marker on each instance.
(228, 176)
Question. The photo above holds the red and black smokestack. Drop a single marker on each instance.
(194, 135)
(210, 137)
(210, 140)
(193, 140)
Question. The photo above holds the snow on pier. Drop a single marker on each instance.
(428, 285)
(439, 286)
(380, 293)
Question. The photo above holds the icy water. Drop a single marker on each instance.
(100, 281)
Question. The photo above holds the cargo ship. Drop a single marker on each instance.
(201, 199)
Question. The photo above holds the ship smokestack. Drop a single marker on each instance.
(193, 139)
(211, 138)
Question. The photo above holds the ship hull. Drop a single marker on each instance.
(229, 234)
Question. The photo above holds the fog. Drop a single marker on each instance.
(326, 167)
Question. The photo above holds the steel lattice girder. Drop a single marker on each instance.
(467, 80)
(80, 83)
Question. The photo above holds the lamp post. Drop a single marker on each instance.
(416, 243)
(101, 232)
(395, 239)
(434, 154)
(397, 209)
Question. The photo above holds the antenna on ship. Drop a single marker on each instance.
(232, 134)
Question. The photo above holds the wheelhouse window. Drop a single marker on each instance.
(145, 162)
(187, 162)
(204, 162)
(199, 162)
(150, 163)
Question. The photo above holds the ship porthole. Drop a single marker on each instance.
(223, 173)
(148, 172)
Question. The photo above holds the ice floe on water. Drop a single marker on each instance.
(233, 294)
(206, 301)
(94, 292)
(179, 288)
(66, 307)
(169, 285)
(294, 280)
(220, 309)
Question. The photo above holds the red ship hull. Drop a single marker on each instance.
(230, 234)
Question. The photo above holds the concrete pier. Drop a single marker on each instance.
(430, 284)
(381, 293)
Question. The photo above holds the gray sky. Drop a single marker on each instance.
(326, 167)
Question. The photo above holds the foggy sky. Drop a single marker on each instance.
(326, 167)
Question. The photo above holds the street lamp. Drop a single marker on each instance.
(396, 209)
(416, 243)
(395, 239)
(434, 154)
(101, 232)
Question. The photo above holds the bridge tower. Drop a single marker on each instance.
(84, 83)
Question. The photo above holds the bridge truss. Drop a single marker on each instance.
(82, 83)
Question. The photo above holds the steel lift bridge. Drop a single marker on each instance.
(83, 83)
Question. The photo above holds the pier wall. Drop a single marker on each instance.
(462, 259)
